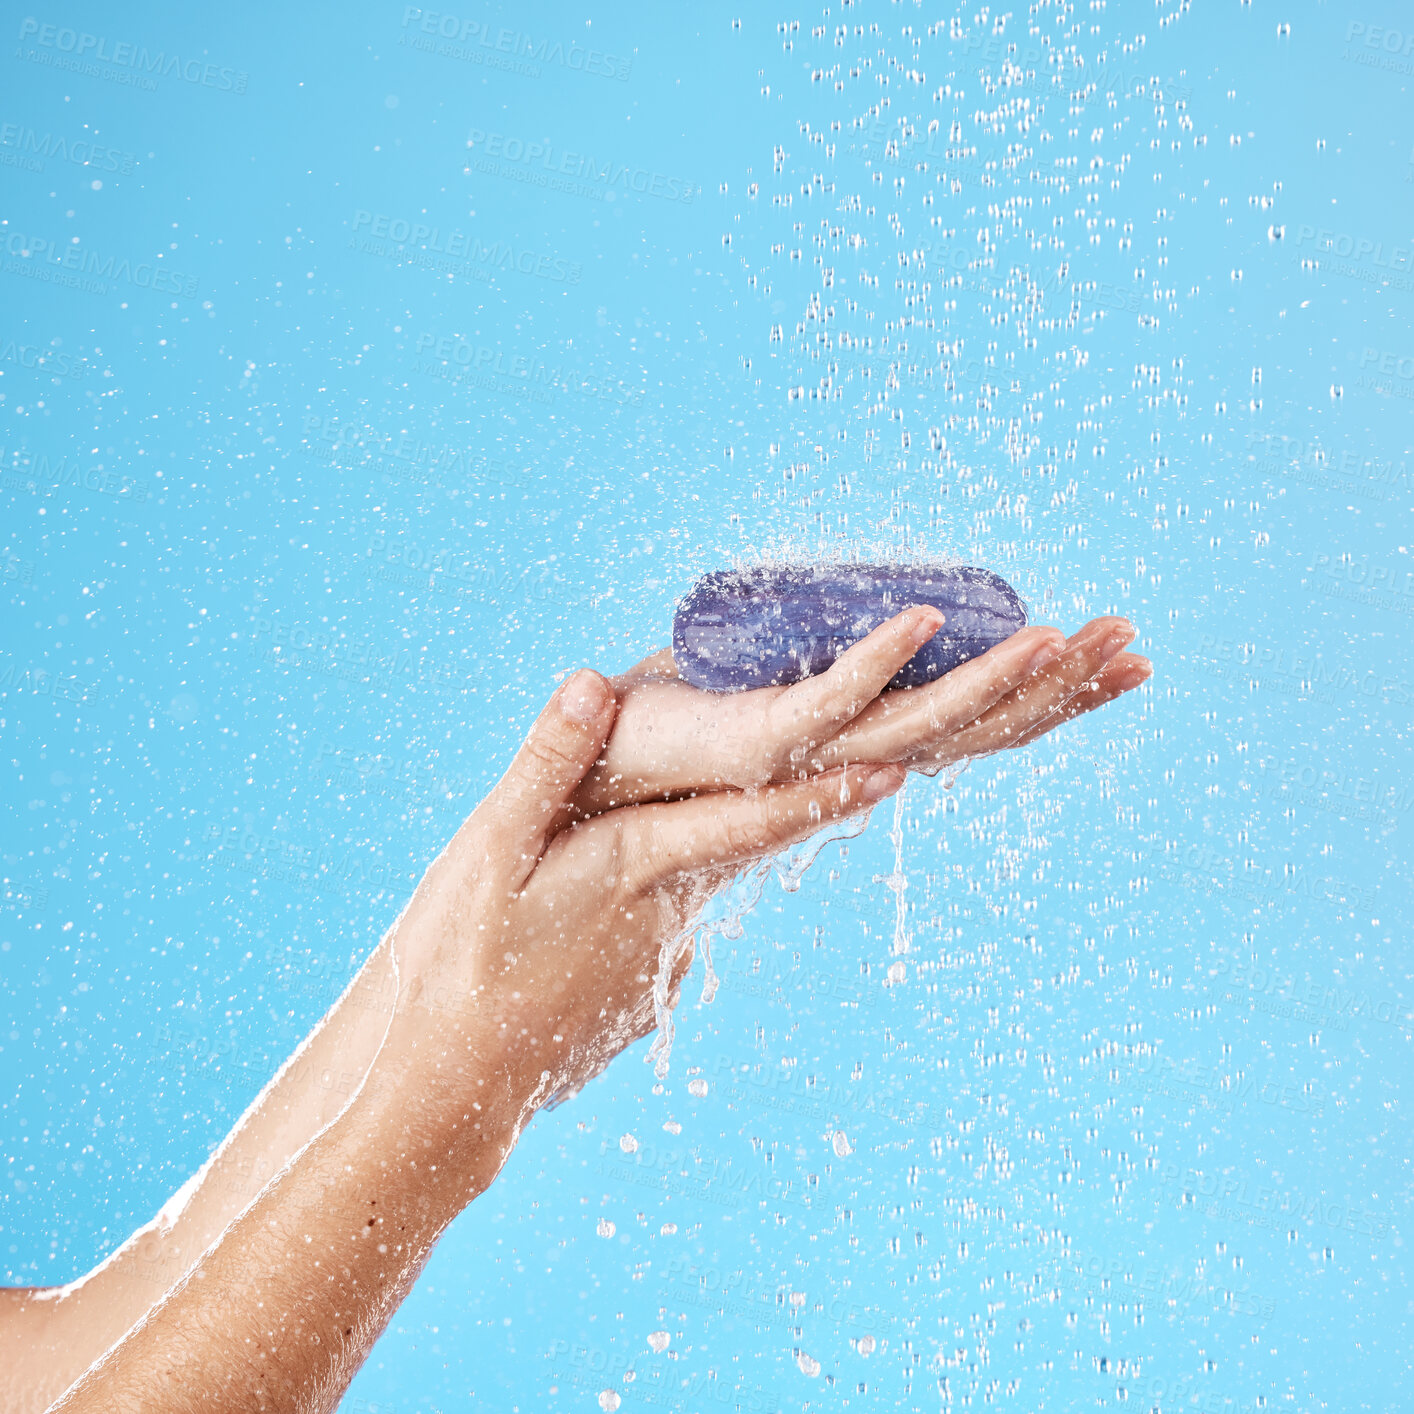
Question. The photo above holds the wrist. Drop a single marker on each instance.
(455, 1092)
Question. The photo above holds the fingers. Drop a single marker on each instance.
(813, 711)
(519, 815)
(1121, 674)
(664, 842)
(902, 725)
(1019, 714)
(657, 665)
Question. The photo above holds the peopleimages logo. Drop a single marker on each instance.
(1376, 47)
(457, 246)
(22, 471)
(1390, 365)
(1355, 256)
(313, 865)
(543, 164)
(1263, 1203)
(498, 47)
(65, 262)
(62, 365)
(22, 146)
(78, 51)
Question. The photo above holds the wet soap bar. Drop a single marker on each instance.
(778, 624)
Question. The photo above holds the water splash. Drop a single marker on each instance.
(722, 917)
(897, 884)
(950, 771)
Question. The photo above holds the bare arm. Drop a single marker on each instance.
(49, 1338)
(283, 1311)
(548, 940)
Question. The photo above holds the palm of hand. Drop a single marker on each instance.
(672, 739)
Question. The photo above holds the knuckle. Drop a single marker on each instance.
(732, 839)
(551, 754)
(629, 849)
(644, 855)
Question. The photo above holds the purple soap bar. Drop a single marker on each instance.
(778, 624)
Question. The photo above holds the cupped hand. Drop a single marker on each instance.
(673, 740)
(528, 954)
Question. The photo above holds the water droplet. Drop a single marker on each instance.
(697, 1087)
(658, 1341)
(865, 1345)
(609, 1399)
(808, 1367)
(672, 1126)
(843, 1148)
(605, 1228)
(628, 1144)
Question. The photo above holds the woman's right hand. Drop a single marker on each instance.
(672, 739)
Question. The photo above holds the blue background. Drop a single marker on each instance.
(1114, 300)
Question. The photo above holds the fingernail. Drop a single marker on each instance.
(1115, 640)
(885, 781)
(927, 626)
(582, 697)
(1046, 652)
(1136, 676)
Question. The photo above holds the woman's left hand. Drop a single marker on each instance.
(529, 952)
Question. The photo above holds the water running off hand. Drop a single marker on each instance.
(721, 917)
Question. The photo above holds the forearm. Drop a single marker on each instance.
(281, 1312)
(49, 1338)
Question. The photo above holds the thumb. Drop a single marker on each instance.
(521, 812)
